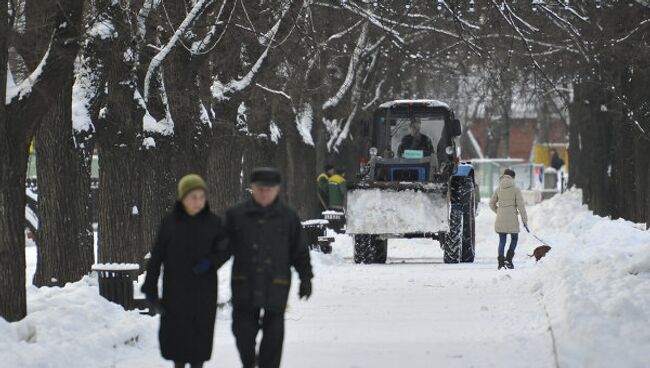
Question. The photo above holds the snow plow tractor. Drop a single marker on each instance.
(413, 185)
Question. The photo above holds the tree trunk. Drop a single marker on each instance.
(157, 190)
(119, 142)
(13, 305)
(119, 170)
(224, 170)
(18, 121)
(65, 247)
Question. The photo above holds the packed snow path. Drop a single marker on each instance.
(587, 304)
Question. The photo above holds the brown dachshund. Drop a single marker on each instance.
(540, 252)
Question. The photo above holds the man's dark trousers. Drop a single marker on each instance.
(246, 323)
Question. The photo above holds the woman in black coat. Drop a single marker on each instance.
(188, 246)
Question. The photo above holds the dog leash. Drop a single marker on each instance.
(536, 237)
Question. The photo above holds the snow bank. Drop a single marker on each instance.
(595, 284)
(73, 327)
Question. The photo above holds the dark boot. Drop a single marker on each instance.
(509, 256)
(501, 262)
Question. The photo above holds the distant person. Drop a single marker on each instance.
(507, 202)
(337, 190)
(415, 140)
(323, 181)
(556, 161)
(189, 248)
(266, 241)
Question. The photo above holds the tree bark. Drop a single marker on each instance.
(18, 121)
(65, 234)
(224, 169)
(119, 142)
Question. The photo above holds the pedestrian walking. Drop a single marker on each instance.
(556, 162)
(508, 203)
(323, 186)
(265, 240)
(189, 246)
(337, 190)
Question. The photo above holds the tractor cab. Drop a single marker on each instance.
(413, 141)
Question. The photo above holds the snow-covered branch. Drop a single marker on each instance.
(25, 87)
(349, 78)
(221, 91)
(374, 19)
(157, 60)
(206, 43)
(274, 91)
(143, 15)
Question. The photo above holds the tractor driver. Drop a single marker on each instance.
(416, 140)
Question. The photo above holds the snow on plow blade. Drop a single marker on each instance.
(398, 210)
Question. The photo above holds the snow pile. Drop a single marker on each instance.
(73, 327)
(595, 284)
(374, 211)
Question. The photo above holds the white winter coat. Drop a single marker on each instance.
(506, 202)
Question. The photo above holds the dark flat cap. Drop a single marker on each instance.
(266, 176)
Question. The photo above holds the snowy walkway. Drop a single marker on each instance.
(413, 312)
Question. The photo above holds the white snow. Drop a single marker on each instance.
(164, 126)
(352, 66)
(102, 29)
(205, 117)
(158, 59)
(596, 284)
(221, 91)
(315, 222)
(304, 123)
(242, 118)
(31, 217)
(275, 131)
(25, 87)
(592, 290)
(83, 91)
(73, 327)
(374, 211)
(428, 103)
(115, 267)
(148, 142)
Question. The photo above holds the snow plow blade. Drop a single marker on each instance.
(397, 208)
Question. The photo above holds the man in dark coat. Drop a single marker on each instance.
(189, 246)
(416, 140)
(265, 240)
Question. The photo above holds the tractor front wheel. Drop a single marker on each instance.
(370, 249)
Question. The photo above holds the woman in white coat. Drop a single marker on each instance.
(508, 203)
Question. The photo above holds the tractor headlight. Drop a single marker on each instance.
(373, 151)
(449, 150)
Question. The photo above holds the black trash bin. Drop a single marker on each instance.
(116, 282)
(315, 234)
(336, 220)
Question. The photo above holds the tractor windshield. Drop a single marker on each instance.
(416, 134)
